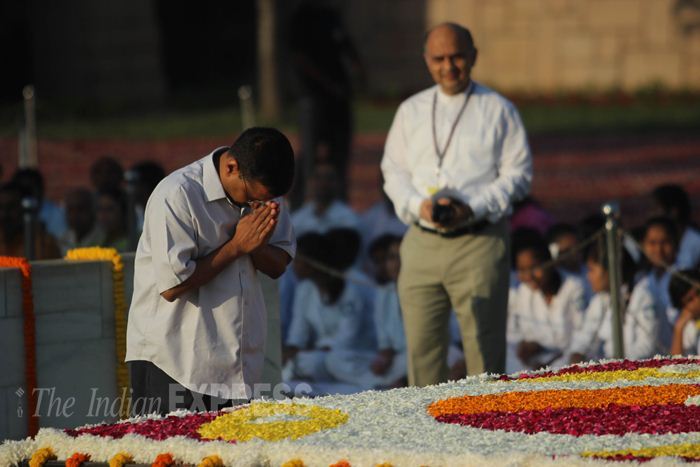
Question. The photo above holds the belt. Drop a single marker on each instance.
(470, 229)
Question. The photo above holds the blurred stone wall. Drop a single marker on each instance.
(547, 46)
(536, 46)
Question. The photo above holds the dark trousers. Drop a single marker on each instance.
(153, 391)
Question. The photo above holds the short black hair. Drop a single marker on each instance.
(538, 247)
(27, 177)
(556, 231)
(678, 287)
(597, 252)
(383, 242)
(665, 223)
(312, 245)
(265, 155)
(149, 173)
(12, 186)
(672, 196)
(345, 243)
(522, 238)
(117, 196)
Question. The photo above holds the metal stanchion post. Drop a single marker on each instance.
(245, 96)
(29, 208)
(131, 177)
(611, 210)
(29, 158)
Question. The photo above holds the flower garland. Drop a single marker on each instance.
(41, 457)
(243, 425)
(110, 254)
(29, 328)
(611, 367)
(570, 398)
(294, 463)
(121, 459)
(211, 461)
(156, 429)
(77, 459)
(577, 412)
(687, 451)
(163, 460)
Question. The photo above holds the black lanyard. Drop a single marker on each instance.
(441, 154)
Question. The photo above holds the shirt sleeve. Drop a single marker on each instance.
(575, 308)
(586, 338)
(397, 174)
(514, 170)
(348, 331)
(514, 328)
(173, 240)
(380, 322)
(300, 329)
(641, 325)
(283, 237)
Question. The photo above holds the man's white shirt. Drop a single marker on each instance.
(211, 339)
(488, 162)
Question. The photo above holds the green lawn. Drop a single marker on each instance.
(560, 118)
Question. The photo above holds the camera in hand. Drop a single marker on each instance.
(443, 213)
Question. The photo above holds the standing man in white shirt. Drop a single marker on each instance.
(197, 323)
(455, 159)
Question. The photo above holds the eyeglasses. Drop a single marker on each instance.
(252, 203)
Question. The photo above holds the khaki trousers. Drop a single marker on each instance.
(469, 274)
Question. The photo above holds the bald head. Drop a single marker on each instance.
(463, 34)
(450, 55)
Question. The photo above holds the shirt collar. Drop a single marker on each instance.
(456, 98)
(210, 177)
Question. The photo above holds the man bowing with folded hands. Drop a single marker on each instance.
(197, 323)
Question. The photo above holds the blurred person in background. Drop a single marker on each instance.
(378, 220)
(31, 181)
(147, 176)
(544, 311)
(324, 60)
(308, 247)
(324, 210)
(455, 159)
(672, 200)
(563, 240)
(12, 232)
(347, 243)
(111, 219)
(106, 173)
(328, 314)
(686, 297)
(659, 244)
(81, 217)
(385, 367)
(594, 339)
